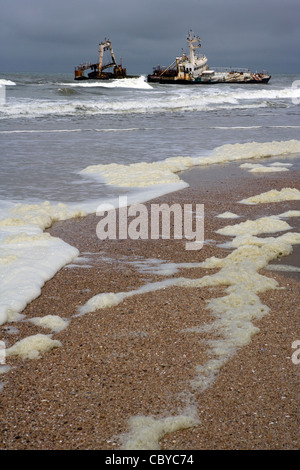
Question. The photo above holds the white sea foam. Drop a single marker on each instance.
(140, 174)
(145, 174)
(110, 299)
(255, 227)
(52, 322)
(33, 346)
(281, 164)
(288, 238)
(258, 168)
(160, 267)
(29, 257)
(288, 214)
(146, 431)
(31, 261)
(274, 195)
(252, 150)
(228, 215)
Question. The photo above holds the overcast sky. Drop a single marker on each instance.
(56, 35)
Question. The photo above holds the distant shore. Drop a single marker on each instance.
(137, 357)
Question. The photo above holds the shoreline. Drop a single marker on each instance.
(133, 358)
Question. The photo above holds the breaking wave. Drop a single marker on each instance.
(150, 100)
(66, 91)
(6, 82)
(138, 83)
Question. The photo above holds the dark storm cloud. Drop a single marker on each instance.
(38, 35)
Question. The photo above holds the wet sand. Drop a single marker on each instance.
(134, 358)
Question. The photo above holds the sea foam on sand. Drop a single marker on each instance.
(33, 346)
(233, 314)
(285, 194)
(29, 257)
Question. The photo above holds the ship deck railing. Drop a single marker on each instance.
(230, 69)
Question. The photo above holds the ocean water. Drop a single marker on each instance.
(67, 146)
(52, 127)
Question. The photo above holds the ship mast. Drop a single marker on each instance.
(103, 46)
(192, 40)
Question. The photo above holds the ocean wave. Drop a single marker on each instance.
(40, 108)
(135, 129)
(139, 83)
(54, 131)
(65, 91)
(6, 82)
(179, 99)
(253, 127)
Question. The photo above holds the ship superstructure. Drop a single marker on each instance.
(192, 65)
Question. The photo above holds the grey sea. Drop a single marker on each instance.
(52, 127)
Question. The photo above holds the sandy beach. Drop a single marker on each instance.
(138, 358)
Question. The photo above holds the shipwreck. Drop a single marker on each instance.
(193, 69)
(106, 68)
